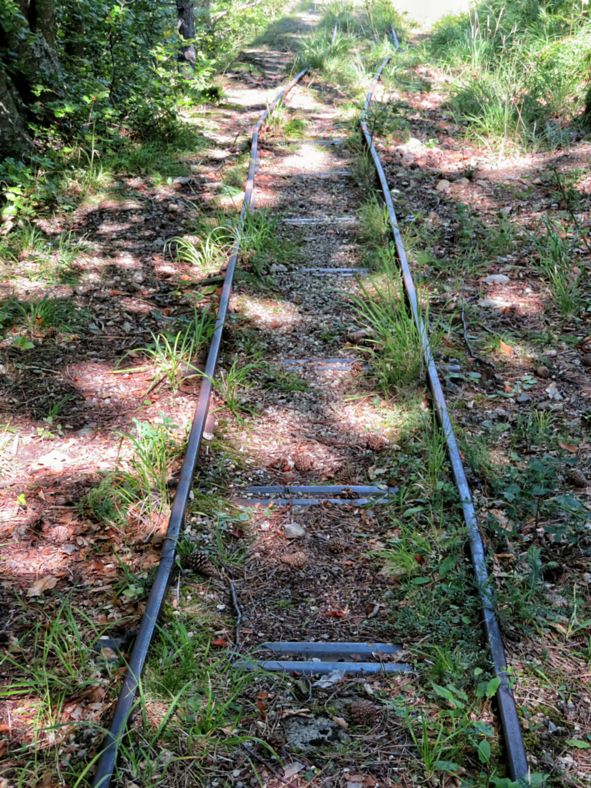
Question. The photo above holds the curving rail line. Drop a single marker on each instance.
(515, 749)
(137, 660)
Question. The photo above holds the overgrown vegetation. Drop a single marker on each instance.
(351, 41)
(521, 69)
(94, 88)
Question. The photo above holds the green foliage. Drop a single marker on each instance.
(123, 90)
(555, 253)
(396, 355)
(522, 68)
(173, 355)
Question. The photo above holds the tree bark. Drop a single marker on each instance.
(14, 140)
(33, 61)
(186, 27)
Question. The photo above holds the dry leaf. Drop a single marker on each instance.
(41, 585)
(505, 349)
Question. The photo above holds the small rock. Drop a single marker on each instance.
(463, 182)
(586, 360)
(294, 531)
(182, 180)
(553, 393)
(542, 372)
(497, 279)
(524, 398)
(362, 333)
(307, 733)
(576, 477)
(443, 186)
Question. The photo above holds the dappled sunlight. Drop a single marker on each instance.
(515, 298)
(273, 314)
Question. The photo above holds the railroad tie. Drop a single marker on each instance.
(319, 658)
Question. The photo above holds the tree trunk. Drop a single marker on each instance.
(42, 20)
(186, 28)
(33, 61)
(14, 140)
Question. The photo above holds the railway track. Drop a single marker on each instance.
(317, 212)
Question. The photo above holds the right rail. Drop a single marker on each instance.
(507, 710)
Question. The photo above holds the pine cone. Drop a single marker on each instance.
(364, 712)
(199, 562)
(336, 546)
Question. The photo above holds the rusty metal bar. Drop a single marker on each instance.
(137, 660)
(514, 746)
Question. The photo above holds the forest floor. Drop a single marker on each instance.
(297, 402)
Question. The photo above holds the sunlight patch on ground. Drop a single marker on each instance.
(429, 11)
(269, 313)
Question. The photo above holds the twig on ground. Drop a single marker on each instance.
(238, 612)
(471, 352)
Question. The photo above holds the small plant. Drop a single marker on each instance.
(144, 484)
(282, 380)
(260, 243)
(535, 428)
(232, 385)
(396, 355)
(208, 254)
(554, 252)
(38, 316)
(374, 224)
(173, 357)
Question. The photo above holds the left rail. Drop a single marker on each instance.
(148, 624)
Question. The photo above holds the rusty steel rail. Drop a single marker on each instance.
(507, 710)
(137, 660)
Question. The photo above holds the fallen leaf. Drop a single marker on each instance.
(293, 769)
(41, 585)
(336, 613)
(570, 447)
(219, 643)
(505, 349)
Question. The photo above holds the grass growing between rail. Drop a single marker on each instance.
(394, 343)
(349, 43)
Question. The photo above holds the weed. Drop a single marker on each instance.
(208, 254)
(173, 356)
(535, 429)
(8, 436)
(374, 224)
(517, 70)
(554, 253)
(144, 483)
(260, 243)
(396, 358)
(282, 380)
(436, 451)
(48, 313)
(48, 666)
(364, 172)
(232, 386)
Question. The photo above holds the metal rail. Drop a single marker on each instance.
(514, 747)
(137, 660)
